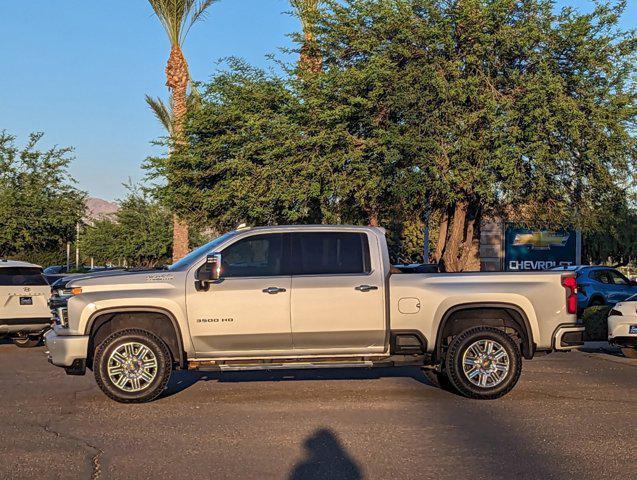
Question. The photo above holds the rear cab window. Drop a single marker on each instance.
(330, 253)
(21, 276)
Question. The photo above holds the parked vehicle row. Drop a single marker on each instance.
(293, 297)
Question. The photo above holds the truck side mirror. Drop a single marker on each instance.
(209, 271)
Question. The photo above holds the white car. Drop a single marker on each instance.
(622, 326)
(24, 310)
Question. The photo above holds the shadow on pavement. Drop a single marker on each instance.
(325, 458)
(181, 380)
(485, 436)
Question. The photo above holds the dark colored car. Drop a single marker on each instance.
(601, 286)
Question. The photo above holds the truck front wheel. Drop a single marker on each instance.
(132, 366)
(483, 363)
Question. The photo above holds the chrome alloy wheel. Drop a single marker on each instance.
(485, 363)
(132, 367)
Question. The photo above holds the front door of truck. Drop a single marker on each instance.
(338, 304)
(246, 312)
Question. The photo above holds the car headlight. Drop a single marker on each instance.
(61, 316)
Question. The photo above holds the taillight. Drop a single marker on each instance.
(570, 284)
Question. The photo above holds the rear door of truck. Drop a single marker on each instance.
(337, 303)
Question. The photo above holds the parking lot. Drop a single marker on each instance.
(571, 416)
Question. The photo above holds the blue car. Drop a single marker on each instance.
(598, 286)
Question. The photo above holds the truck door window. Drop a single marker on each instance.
(330, 253)
(256, 256)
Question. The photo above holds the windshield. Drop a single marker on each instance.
(200, 252)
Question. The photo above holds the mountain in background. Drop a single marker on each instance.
(98, 209)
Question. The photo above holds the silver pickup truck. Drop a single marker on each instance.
(291, 297)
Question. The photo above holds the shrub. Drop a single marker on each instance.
(595, 321)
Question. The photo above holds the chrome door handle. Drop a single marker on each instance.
(273, 290)
(365, 288)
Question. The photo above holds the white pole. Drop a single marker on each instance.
(77, 245)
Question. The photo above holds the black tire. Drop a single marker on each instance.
(161, 373)
(597, 302)
(629, 352)
(27, 342)
(455, 368)
(438, 379)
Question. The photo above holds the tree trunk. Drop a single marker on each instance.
(451, 257)
(458, 247)
(442, 236)
(311, 60)
(180, 238)
(177, 81)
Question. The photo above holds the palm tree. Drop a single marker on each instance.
(164, 112)
(177, 17)
(307, 10)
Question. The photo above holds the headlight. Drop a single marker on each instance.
(61, 316)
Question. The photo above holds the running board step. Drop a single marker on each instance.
(237, 367)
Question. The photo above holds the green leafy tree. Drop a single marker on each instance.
(501, 108)
(39, 205)
(140, 233)
(461, 109)
(616, 242)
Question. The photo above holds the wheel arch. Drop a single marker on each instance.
(597, 297)
(508, 315)
(156, 320)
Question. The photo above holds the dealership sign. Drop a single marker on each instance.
(539, 249)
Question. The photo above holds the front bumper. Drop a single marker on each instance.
(568, 336)
(66, 350)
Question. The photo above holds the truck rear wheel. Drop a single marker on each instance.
(132, 366)
(483, 363)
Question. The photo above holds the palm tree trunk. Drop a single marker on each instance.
(311, 60)
(177, 82)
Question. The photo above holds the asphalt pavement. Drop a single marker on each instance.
(572, 415)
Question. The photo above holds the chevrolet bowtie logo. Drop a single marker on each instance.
(540, 240)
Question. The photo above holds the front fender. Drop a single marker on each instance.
(85, 308)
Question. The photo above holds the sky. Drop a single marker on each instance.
(78, 71)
